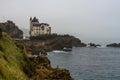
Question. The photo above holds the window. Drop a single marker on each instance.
(47, 30)
(42, 27)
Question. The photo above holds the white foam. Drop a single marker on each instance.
(57, 51)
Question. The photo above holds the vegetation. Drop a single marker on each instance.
(13, 60)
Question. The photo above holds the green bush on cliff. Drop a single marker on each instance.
(13, 61)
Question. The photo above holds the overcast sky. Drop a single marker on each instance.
(90, 20)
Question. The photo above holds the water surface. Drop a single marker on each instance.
(89, 63)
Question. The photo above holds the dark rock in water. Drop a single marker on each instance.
(11, 29)
(113, 45)
(93, 45)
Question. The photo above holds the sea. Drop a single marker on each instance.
(89, 63)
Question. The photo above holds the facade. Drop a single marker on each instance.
(37, 28)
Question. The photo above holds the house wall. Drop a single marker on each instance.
(39, 30)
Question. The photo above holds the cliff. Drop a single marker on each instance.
(60, 42)
(16, 65)
(11, 29)
(43, 70)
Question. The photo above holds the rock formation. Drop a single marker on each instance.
(11, 29)
(43, 70)
(16, 64)
(113, 45)
(93, 45)
(58, 42)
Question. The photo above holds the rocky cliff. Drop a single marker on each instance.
(51, 43)
(59, 43)
(11, 29)
(43, 70)
(16, 64)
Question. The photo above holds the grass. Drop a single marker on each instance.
(12, 60)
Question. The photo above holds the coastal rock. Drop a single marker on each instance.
(59, 43)
(11, 29)
(52, 42)
(77, 43)
(43, 70)
(113, 45)
(93, 45)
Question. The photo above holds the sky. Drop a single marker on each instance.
(95, 21)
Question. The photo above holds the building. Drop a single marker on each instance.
(37, 28)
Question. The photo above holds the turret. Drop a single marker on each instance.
(35, 20)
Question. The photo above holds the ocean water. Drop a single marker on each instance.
(89, 63)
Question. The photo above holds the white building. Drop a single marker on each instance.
(37, 28)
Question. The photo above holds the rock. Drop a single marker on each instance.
(11, 29)
(61, 74)
(43, 70)
(61, 42)
(113, 45)
(58, 42)
(93, 45)
(43, 52)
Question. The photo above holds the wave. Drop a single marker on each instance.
(101, 47)
(58, 51)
